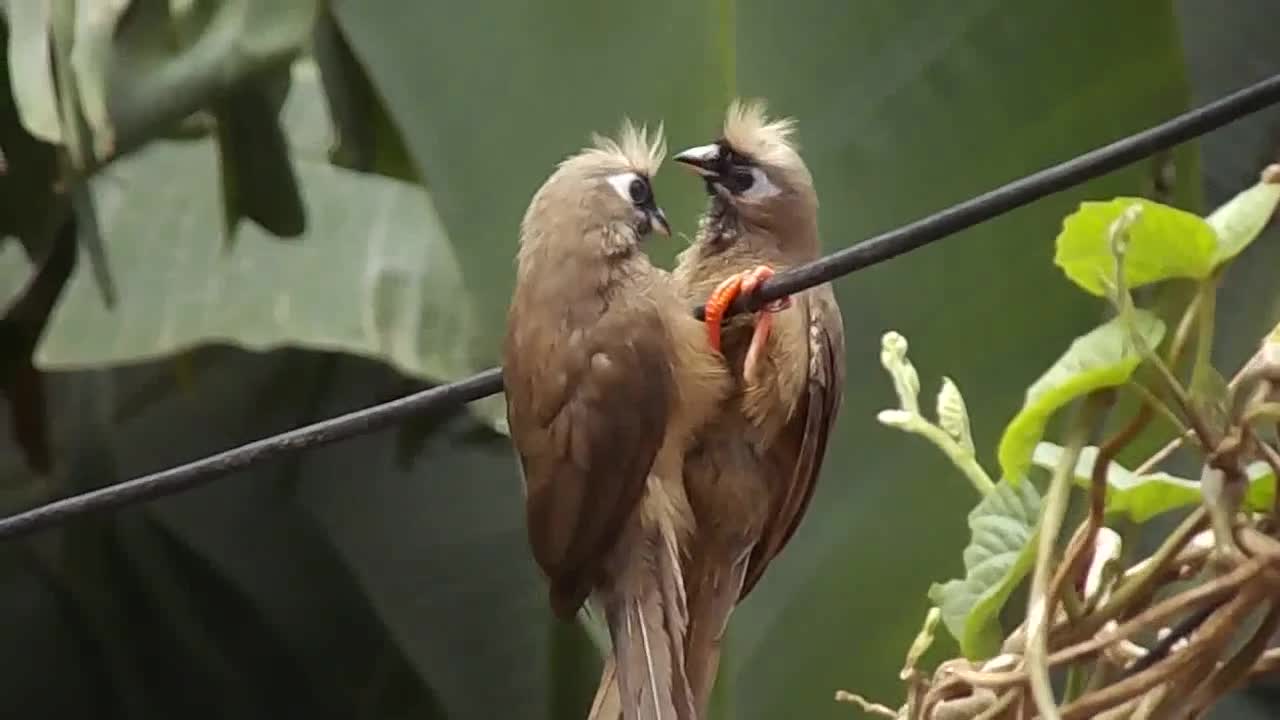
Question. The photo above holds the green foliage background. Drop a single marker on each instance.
(272, 268)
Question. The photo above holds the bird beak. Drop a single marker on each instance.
(658, 221)
(701, 159)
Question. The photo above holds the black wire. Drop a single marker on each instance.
(185, 477)
(876, 250)
(1014, 195)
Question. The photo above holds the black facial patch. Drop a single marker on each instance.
(642, 198)
(732, 170)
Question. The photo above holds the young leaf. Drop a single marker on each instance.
(953, 416)
(1105, 357)
(1164, 243)
(1142, 497)
(1243, 217)
(1002, 546)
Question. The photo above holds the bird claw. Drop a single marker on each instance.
(743, 283)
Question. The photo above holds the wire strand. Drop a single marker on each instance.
(489, 382)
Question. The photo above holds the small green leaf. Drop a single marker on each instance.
(906, 382)
(1142, 497)
(1243, 217)
(953, 416)
(1164, 243)
(1105, 357)
(1000, 552)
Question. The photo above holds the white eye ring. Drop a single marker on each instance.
(622, 184)
(760, 189)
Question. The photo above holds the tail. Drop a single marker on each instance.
(715, 581)
(647, 616)
(608, 703)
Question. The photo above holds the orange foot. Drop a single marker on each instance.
(743, 283)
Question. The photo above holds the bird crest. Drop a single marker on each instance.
(632, 149)
(748, 130)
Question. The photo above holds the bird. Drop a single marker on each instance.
(750, 476)
(608, 376)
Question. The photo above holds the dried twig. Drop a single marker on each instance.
(1235, 671)
(1210, 592)
(1212, 634)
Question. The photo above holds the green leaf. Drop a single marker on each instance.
(367, 137)
(258, 181)
(1001, 550)
(953, 416)
(374, 274)
(31, 68)
(1241, 219)
(95, 25)
(1104, 357)
(153, 81)
(1164, 243)
(1142, 497)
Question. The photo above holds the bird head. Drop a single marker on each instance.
(605, 191)
(754, 167)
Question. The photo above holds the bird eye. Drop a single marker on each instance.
(743, 180)
(639, 191)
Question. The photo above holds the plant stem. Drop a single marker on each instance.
(960, 457)
(1179, 342)
(1040, 604)
(1206, 295)
(1130, 589)
(1076, 683)
(1169, 448)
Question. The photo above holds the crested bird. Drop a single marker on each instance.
(750, 477)
(608, 375)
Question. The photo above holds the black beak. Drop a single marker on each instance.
(658, 221)
(704, 159)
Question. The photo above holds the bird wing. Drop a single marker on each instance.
(801, 446)
(587, 404)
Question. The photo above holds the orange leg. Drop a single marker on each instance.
(723, 296)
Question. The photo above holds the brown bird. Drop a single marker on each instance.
(607, 376)
(750, 478)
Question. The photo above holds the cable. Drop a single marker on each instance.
(197, 472)
(489, 382)
(997, 202)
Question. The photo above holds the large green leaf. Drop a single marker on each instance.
(233, 587)
(1239, 220)
(374, 275)
(1162, 243)
(1104, 357)
(1142, 497)
(438, 544)
(1001, 550)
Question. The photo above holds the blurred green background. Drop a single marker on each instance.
(221, 219)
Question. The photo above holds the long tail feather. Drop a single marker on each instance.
(647, 621)
(608, 703)
(715, 581)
